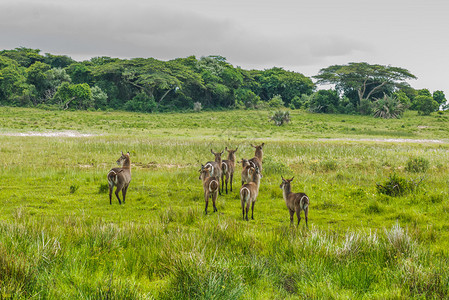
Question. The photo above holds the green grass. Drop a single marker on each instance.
(60, 238)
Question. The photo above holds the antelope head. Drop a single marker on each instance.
(122, 158)
(285, 182)
(231, 153)
(244, 162)
(258, 147)
(217, 154)
(204, 172)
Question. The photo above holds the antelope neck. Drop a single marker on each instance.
(287, 189)
(126, 164)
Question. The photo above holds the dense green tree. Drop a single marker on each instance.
(364, 80)
(25, 57)
(37, 76)
(425, 104)
(58, 61)
(287, 84)
(80, 73)
(220, 81)
(324, 101)
(78, 96)
(402, 97)
(14, 89)
(99, 98)
(439, 97)
(424, 92)
(141, 102)
(246, 98)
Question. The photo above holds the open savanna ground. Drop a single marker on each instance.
(61, 239)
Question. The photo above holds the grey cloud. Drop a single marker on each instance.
(144, 30)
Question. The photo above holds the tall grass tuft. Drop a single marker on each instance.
(417, 165)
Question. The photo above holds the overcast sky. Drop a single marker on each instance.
(297, 35)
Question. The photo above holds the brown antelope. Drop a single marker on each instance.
(258, 155)
(120, 177)
(295, 201)
(249, 192)
(246, 166)
(210, 186)
(215, 166)
(228, 167)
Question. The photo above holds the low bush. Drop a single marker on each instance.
(280, 117)
(417, 164)
(397, 186)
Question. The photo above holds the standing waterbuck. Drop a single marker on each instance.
(228, 167)
(249, 192)
(120, 177)
(246, 166)
(258, 155)
(210, 186)
(295, 201)
(215, 166)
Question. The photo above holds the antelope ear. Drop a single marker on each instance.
(221, 152)
(122, 152)
(236, 149)
(128, 153)
(282, 178)
(226, 148)
(292, 178)
(212, 151)
(253, 146)
(263, 144)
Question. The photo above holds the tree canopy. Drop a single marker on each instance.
(28, 78)
(365, 81)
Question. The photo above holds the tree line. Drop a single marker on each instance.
(28, 78)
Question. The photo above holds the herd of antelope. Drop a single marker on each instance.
(212, 172)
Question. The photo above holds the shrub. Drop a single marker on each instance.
(417, 164)
(397, 186)
(388, 107)
(142, 103)
(276, 102)
(74, 188)
(245, 98)
(99, 97)
(296, 102)
(280, 117)
(329, 165)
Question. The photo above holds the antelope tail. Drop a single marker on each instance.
(213, 186)
(112, 178)
(224, 167)
(212, 171)
(304, 205)
(244, 194)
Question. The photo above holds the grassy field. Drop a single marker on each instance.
(60, 238)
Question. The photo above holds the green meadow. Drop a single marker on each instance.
(61, 239)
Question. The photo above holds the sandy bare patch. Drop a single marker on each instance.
(85, 166)
(49, 134)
